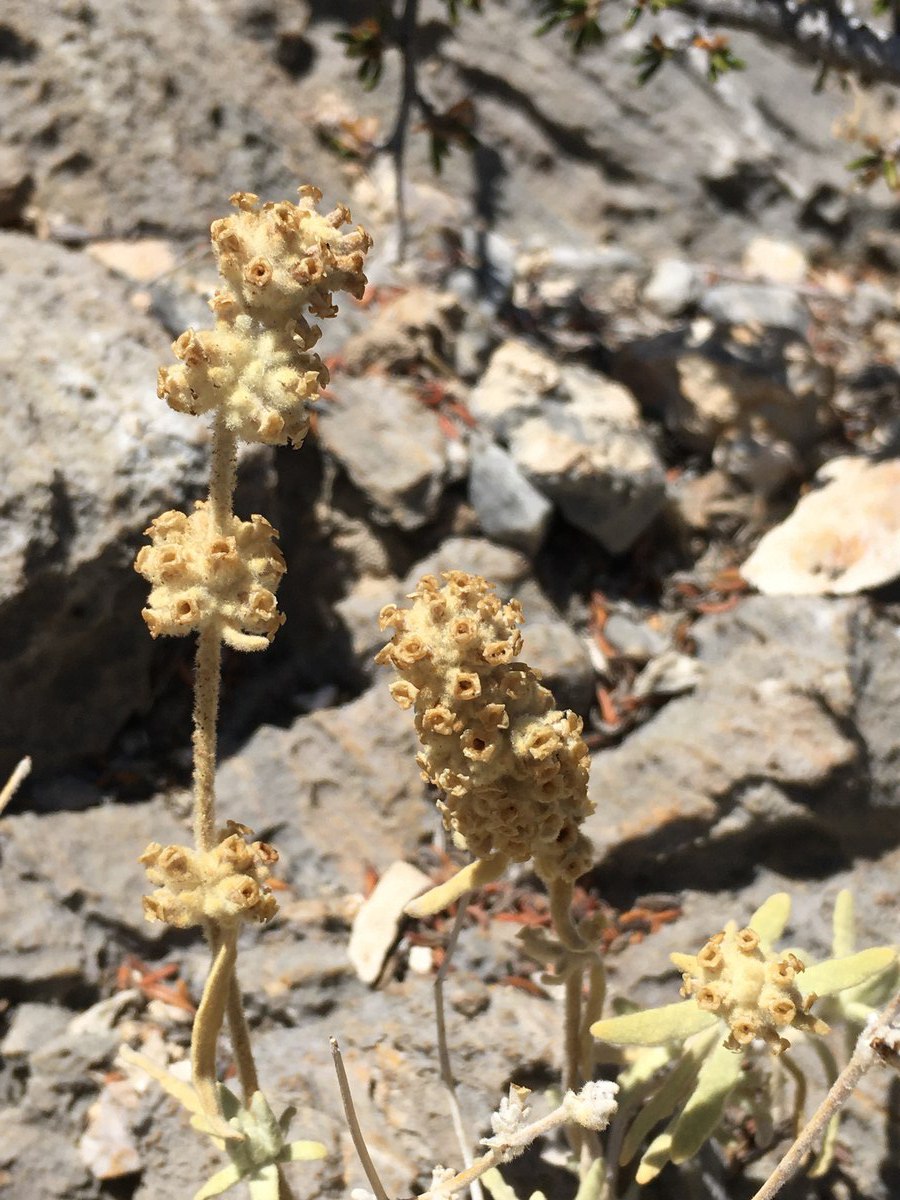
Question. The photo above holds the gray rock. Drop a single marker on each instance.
(878, 672)
(592, 457)
(31, 1026)
(103, 166)
(704, 381)
(70, 856)
(419, 326)
(553, 648)
(505, 567)
(673, 286)
(770, 715)
(391, 447)
(338, 789)
(39, 1161)
(16, 186)
(91, 455)
(512, 389)
(41, 944)
(768, 305)
(633, 638)
(510, 509)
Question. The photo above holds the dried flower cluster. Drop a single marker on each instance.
(512, 769)
(754, 993)
(225, 885)
(256, 368)
(202, 576)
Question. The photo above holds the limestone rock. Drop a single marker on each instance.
(90, 456)
(673, 286)
(842, 538)
(517, 379)
(417, 327)
(704, 381)
(510, 509)
(592, 457)
(339, 788)
(760, 746)
(377, 924)
(391, 447)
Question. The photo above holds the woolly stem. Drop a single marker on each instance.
(206, 711)
(497, 1154)
(240, 1040)
(560, 894)
(208, 1022)
(223, 474)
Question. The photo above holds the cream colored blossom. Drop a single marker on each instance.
(257, 368)
(202, 576)
(512, 769)
(225, 885)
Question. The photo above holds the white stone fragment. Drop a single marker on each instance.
(378, 920)
(842, 538)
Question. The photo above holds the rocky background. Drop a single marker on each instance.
(637, 330)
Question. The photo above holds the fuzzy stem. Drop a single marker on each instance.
(208, 1022)
(593, 1011)
(574, 984)
(222, 474)
(863, 1057)
(443, 1048)
(560, 894)
(206, 710)
(240, 1040)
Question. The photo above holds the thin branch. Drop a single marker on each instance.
(822, 36)
(20, 771)
(498, 1154)
(443, 1049)
(359, 1142)
(864, 1056)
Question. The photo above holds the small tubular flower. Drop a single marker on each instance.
(257, 368)
(512, 769)
(201, 576)
(226, 885)
(755, 993)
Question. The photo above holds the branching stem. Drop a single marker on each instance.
(447, 1077)
(863, 1057)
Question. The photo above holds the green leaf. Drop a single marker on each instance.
(657, 1155)
(654, 1026)
(592, 1184)
(771, 917)
(264, 1183)
(839, 973)
(303, 1152)
(667, 1097)
(844, 925)
(823, 1162)
(717, 1079)
(220, 1182)
(638, 1074)
(497, 1185)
